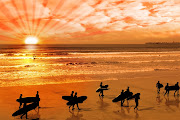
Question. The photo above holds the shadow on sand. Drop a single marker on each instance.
(148, 108)
(110, 96)
(170, 101)
(174, 102)
(35, 116)
(75, 116)
(85, 109)
(124, 113)
(159, 99)
(46, 107)
(102, 105)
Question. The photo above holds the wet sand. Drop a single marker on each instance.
(54, 108)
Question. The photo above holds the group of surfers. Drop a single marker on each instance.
(74, 100)
(25, 104)
(168, 88)
(125, 95)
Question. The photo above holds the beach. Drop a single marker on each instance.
(54, 107)
(55, 71)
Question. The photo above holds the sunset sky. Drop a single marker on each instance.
(90, 21)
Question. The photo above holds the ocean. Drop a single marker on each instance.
(23, 65)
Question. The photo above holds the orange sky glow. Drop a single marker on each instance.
(90, 21)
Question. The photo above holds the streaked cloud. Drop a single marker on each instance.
(85, 19)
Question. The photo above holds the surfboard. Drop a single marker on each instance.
(25, 109)
(122, 97)
(101, 89)
(132, 97)
(173, 87)
(105, 86)
(28, 100)
(68, 98)
(118, 98)
(128, 94)
(160, 85)
(80, 99)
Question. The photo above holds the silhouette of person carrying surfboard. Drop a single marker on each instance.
(29, 103)
(167, 89)
(127, 90)
(101, 92)
(25, 110)
(37, 96)
(72, 93)
(172, 88)
(177, 84)
(20, 103)
(101, 89)
(159, 86)
(137, 97)
(127, 94)
(122, 95)
(177, 88)
(75, 99)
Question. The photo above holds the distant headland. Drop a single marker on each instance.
(164, 43)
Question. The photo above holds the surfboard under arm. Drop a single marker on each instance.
(28, 99)
(25, 109)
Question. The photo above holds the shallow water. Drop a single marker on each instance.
(54, 64)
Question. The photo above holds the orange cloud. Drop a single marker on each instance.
(87, 17)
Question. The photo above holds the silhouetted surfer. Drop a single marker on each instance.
(177, 88)
(127, 94)
(159, 86)
(122, 95)
(101, 92)
(71, 98)
(37, 96)
(127, 90)
(25, 111)
(101, 85)
(75, 101)
(137, 97)
(177, 84)
(72, 94)
(20, 102)
(167, 89)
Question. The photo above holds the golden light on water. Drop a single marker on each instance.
(31, 40)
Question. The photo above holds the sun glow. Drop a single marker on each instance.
(31, 40)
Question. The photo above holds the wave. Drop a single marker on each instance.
(86, 55)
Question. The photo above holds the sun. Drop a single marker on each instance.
(31, 40)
